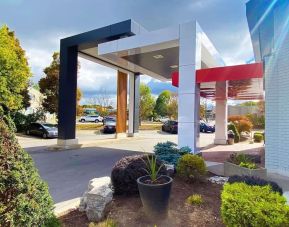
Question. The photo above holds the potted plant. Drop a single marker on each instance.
(154, 190)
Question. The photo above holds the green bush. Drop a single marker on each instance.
(195, 199)
(248, 165)
(237, 159)
(232, 126)
(106, 223)
(169, 153)
(191, 167)
(25, 200)
(258, 137)
(254, 206)
(257, 120)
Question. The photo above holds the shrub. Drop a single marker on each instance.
(127, 170)
(25, 200)
(233, 128)
(258, 137)
(238, 158)
(257, 120)
(169, 153)
(195, 199)
(242, 123)
(248, 165)
(106, 223)
(252, 180)
(244, 126)
(245, 205)
(191, 167)
(235, 118)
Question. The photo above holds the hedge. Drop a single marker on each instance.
(254, 206)
(24, 196)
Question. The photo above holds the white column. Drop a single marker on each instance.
(221, 113)
(131, 105)
(189, 61)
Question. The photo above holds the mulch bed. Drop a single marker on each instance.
(127, 211)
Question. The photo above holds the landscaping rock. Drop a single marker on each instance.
(218, 180)
(170, 169)
(96, 198)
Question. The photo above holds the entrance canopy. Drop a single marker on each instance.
(245, 82)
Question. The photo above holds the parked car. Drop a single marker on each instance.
(206, 127)
(43, 130)
(91, 118)
(170, 126)
(109, 126)
(162, 119)
(108, 118)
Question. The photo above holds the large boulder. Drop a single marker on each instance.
(96, 198)
(127, 170)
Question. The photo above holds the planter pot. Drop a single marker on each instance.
(231, 169)
(231, 141)
(155, 197)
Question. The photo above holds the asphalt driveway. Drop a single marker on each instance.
(68, 172)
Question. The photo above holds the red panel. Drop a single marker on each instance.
(244, 81)
(236, 72)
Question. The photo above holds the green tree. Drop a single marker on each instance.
(147, 102)
(14, 70)
(24, 196)
(161, 107)
(172, 108)
(49, 85)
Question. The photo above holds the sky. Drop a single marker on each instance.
(40, 25)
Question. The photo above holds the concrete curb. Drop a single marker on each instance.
(64, 207)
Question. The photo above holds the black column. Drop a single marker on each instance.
(136, 102)
(67, 92)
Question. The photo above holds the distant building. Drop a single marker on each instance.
(242, 110)
(36, 99)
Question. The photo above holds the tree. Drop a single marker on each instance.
(172, 108)
(261, 107)
(147, 102)
(14, 70)
(161, 107)
(202, 111)
(79, 109)
(49, 85)
(24, 196)
(25, 98)
(102, 102)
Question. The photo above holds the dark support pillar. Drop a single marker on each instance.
(67, 95)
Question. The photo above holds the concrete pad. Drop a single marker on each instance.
(215, 168)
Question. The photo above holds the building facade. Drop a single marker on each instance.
(269, 27)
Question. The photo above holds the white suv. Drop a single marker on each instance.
(91, 118)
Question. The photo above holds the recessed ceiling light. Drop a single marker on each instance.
(158, 56)
(174, 66)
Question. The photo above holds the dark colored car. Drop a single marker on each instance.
(109, 126)
(43, 130)
(108, 118)
(205, 127)
(170, 126)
